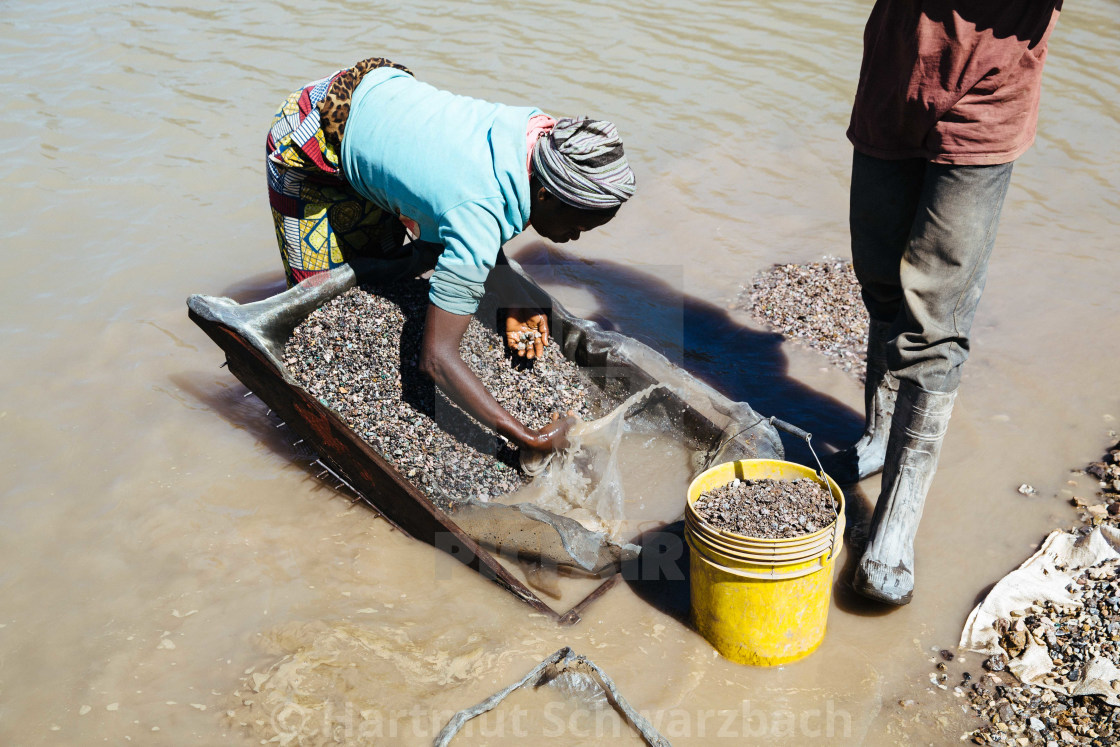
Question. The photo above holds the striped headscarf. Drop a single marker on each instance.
(581, 161)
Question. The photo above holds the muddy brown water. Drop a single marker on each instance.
(158, 536)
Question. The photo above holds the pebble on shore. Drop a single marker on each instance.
(768, 509)
(1073, 635)
(817, 304)
(359, 354)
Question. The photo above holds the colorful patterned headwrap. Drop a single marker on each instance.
(581, 161)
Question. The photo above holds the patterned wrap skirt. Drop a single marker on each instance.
(320, 220)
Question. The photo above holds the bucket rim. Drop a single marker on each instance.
(833, 488)
(770, 553)
(762, 569)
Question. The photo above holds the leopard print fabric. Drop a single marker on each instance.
(335, 107)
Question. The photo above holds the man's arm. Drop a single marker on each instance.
(439, 359)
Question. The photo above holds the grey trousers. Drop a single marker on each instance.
(922, 234)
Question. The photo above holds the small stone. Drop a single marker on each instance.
(1098, 470)
(1026, 489)
(996, 663)
(1098, 511)
(1015, 641)
(946, 654)
(84, 710)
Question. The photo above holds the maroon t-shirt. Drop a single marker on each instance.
(951, 82)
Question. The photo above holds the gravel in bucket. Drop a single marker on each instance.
(359, 353)
(767, 509)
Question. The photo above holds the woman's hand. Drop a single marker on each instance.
(554, 436)
(526, 332)
(439, 359)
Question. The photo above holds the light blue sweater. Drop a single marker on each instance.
(453, 164)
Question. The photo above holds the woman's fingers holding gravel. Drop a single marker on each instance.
(542, 329)
(526, 343)
(526, 332)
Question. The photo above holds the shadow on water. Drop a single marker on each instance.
(648, 303)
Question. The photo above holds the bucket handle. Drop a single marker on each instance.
(778, 423)
(793, 430)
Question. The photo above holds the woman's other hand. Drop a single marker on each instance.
(554, 436)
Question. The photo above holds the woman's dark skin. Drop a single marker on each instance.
(443, 331)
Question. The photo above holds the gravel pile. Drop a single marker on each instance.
(1020, 714)
(1073, 635)
(817, 304)
(359, 354)
(769, 509)
(1107, 508)
(1026, 715)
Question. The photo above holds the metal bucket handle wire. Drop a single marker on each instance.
(793, 430)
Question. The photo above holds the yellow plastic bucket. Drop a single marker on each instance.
(761, 601)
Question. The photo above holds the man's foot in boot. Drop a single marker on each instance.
(883, 583)
(865, 457)
(921, 418)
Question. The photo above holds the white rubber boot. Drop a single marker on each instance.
(921, 417)
(865, 457)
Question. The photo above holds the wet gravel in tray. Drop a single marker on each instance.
(359, 353)
(769, 509)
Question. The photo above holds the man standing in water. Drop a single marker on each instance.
(947, 100)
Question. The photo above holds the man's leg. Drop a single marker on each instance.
(884, 200)
(942, 273)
